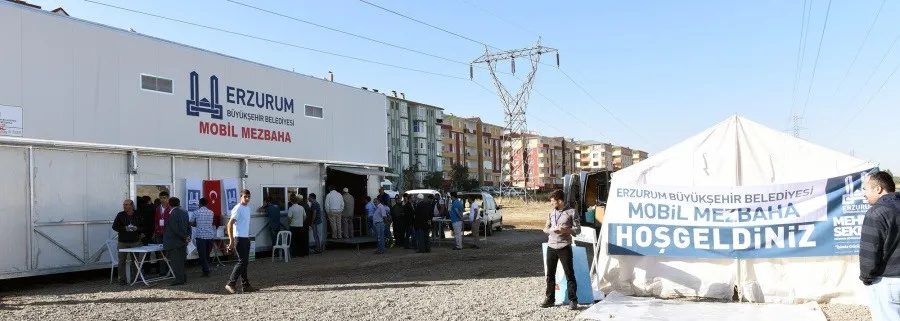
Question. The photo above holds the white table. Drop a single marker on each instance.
(139, 255)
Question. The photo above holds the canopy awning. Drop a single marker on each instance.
(362, 171)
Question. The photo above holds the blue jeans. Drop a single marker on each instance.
(387, 232)
(884, 299)
(379, 236)
(203, 248)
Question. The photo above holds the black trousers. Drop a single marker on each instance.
(242, 249)
(563, 255)
(400, 234)
(423, 243)
(177, 258)
(296, 236)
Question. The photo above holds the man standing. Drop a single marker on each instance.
(370, 210)
(296, 218)
(879, 248)
(316, 212)
(475, 215)
(380, 217)
(176, 239)
(274, 214)
(398, 213)
(347, 217)
(410, 212)
(128, 225)
(204, 234)
(238, 228)
(562, 224)
(161, 215)
(456, 211)
(424, 215)
(334, 205)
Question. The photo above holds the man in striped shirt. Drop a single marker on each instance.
(204, 233)
(879, 247)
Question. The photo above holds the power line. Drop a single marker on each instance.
(858, 112)
(801, 46)
(816, 63)
(487, 45)
(872, 74)
(427, 24)
(275, 41)
(858, 51)
(500, 18)
(494, 93)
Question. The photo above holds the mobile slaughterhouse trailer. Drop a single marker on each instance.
(92, 115)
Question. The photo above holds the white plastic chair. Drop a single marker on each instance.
(283, 243)
(113, 247)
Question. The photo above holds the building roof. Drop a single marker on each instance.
(24, 3)
(61, 11)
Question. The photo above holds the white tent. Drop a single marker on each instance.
(736, 152)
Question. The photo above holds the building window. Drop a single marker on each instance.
(314, 112)
(451, 148)
(281, 194)
(158, 84)
(417, 127)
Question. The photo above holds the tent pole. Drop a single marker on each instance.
(739, 182)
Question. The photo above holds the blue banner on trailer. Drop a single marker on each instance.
(818, 218)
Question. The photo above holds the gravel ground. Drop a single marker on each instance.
(501, 281)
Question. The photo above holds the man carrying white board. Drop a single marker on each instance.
(562, 224)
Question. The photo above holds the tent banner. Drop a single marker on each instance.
(818, 218)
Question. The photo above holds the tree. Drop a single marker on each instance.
(460, 180)
(434, 180)
(409, 179)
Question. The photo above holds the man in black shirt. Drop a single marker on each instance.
(424, 214)
(128, 225)
(879, 247)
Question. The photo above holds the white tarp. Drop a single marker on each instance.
(619, 307)
(736, 152)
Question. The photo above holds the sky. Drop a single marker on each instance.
(655, 72)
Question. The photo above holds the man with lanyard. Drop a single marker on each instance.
(162, 215)
(238, 229)
(562, 224)
(456, 210)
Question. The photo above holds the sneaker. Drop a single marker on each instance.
(548, 302)
(249, 289)
(573, 304)
(230, 288)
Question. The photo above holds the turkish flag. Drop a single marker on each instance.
(212, 191)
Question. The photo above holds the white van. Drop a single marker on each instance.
(490, 211)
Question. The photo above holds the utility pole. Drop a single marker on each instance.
(795, 125)
(515, 133)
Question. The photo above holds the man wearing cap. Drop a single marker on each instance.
(347, 215)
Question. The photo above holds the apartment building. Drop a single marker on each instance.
(475, 144)
(549, 159)
(414, 137)
(595, 156)
(622, 157)
(638, 155)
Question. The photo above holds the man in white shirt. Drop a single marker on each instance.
(475, 216)
(239, 241)
(334, 205)
(296, 216)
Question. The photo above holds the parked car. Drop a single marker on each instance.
(493, 190)
(490, 211)
(515, 191)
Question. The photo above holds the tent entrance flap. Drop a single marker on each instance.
(362, 171)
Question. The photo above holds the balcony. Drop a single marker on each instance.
(421, 151)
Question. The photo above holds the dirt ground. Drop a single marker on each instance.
(501, 281)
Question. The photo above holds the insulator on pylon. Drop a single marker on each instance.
(557, 60)
(513, 65)
(471, 72)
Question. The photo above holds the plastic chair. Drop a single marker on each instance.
(283, 243)
(113, 247)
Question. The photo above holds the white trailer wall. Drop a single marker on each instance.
(14, 209)
(76, 197)
(270, 174)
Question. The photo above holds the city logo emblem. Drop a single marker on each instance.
(195, 105)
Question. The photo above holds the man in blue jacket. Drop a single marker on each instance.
(879, 256)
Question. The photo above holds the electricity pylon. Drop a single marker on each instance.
(515, 160)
